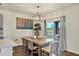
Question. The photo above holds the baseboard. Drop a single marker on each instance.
(69, 53)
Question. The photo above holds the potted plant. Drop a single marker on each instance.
(37, 29)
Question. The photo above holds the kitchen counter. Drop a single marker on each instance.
(6, 46)
(7, 43)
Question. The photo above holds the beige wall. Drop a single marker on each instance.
(9, 25)
(72, 26)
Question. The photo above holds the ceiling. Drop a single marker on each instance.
(30, 8)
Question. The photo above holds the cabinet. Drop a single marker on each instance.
(7, 51)
(6, 46)
(19, 51)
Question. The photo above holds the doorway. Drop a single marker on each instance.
(57, 31)
(52, 28)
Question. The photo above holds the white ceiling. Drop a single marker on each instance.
(30, 8)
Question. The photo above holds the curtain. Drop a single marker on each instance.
(62, 39)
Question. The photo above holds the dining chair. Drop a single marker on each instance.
(25, 45)
(51, 50)
(33, 48)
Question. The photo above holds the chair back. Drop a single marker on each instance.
(30, 44)
(24, 42)
(54, 48)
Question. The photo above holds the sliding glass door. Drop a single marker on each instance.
(51, 28)
(57, 31)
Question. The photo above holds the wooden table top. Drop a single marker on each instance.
(39, 41)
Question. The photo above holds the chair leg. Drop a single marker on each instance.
(27, 52)
(39, 51)
(42, 53)
(31, 52)
(45, 53)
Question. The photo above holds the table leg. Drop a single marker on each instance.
(39, 51)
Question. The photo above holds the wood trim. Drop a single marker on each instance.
(69, 53)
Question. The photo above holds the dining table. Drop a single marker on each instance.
(40, 41)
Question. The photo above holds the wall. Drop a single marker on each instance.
(9, 25)
(72, 28)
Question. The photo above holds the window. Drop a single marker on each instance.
(51, 28)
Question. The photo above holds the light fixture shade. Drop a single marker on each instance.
(38, 18)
